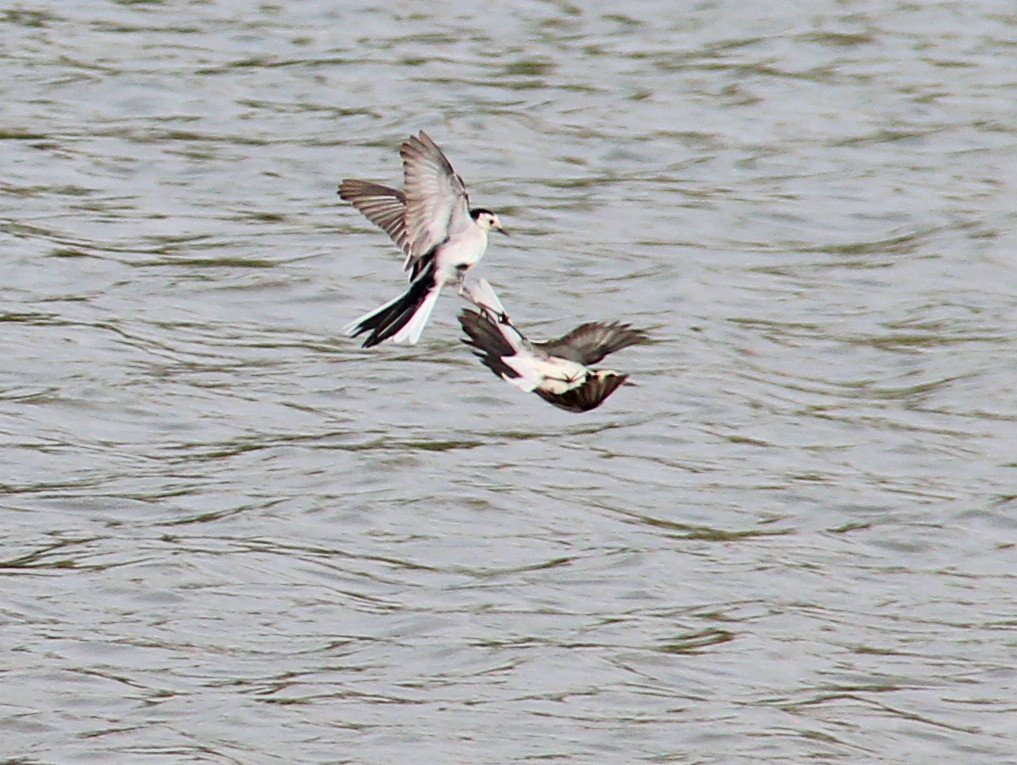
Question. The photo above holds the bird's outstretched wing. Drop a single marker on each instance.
(589, 343)
(436, 198)
(385, 207)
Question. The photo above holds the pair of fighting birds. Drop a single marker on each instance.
(442, 238)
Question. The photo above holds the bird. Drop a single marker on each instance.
(435, 227)
(557, 370)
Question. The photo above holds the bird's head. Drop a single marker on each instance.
(487, 220)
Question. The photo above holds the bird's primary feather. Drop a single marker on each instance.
(436, 200)
(591, 342)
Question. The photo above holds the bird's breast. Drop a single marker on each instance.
(457, 254)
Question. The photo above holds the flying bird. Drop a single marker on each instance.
(558, 370)
(435, 227)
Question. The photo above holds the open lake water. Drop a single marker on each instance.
(230, 535)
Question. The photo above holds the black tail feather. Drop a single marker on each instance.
(390, 318)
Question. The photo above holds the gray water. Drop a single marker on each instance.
(230, 535)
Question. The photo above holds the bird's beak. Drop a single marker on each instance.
(500, 230)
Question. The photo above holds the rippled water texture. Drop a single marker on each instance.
(230, 535)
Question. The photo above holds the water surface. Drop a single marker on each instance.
(231, 535)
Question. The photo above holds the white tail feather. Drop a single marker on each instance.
(411, 331)
(482, 295)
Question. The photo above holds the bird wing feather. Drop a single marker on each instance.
(384, 206)
(589, 343)
(436, 199)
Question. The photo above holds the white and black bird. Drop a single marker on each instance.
(433, 224)
(557, 370)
